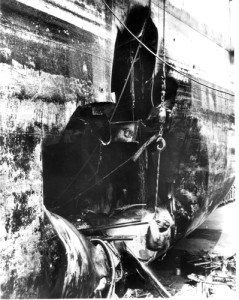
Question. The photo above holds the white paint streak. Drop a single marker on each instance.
(67, 10)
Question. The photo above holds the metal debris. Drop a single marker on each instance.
(137, 293)
(212, 273)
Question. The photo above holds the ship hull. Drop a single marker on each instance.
(64, 67)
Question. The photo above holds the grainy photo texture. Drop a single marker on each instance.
(116, 146)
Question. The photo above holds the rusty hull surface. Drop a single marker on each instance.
(57, 58)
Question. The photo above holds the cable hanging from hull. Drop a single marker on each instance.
(163, 60)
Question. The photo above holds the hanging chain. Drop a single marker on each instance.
(163, 77)
(161, 144)
(161, 108)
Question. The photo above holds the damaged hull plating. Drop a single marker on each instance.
(131, 144)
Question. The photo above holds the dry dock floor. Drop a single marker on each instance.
(217, 236)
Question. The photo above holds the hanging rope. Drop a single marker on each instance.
(159, 58)
(163, 76)
(126, 81)
(133, 158)
(132, 90)
(96, 183)
(76, 176)
(130, 70)
(153, 78)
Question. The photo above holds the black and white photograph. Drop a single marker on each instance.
(117, 149)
